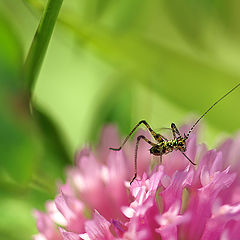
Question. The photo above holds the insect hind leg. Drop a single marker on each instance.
(136, 150)
(155, 135)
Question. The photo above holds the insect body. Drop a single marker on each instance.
(163, 145)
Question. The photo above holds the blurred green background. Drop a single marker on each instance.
(107, 62)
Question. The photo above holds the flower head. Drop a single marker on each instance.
(175, 200)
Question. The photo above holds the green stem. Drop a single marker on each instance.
(40, 43)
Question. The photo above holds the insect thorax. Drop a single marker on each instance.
(166, 147)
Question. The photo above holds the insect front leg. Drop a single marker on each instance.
(136, 150)
(175, 130)
(188, 158)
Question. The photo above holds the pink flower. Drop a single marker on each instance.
(174, 201)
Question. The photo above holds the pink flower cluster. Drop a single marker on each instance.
(175, 200)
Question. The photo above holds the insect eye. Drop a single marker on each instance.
(180, 144)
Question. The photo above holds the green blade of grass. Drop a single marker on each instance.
(32, 68)
(40, 42)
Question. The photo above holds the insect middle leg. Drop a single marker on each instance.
(156, 136)
(136, 150)
(160, 159)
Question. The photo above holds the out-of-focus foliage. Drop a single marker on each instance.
(108, 61)
(32, 153)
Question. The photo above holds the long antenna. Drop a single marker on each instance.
(194, 125)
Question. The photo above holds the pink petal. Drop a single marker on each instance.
(72, 209)
(84, 236)
(46, 227)
(118, 227)
(173, 193)
(168, 222)
(39, 237)
(201, 202)
(63, 207)
(69, 235)
(144, 192)
(230, 150)
(117, 176)
(98, 228)
(205, 162)
(128, 211)
(54, 214)
(216, 224)
(208, 171)
(136, 231)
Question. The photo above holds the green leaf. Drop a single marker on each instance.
(40, 42)
(53, 144)
(17, 145)
(24, 156)
(56, 156)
